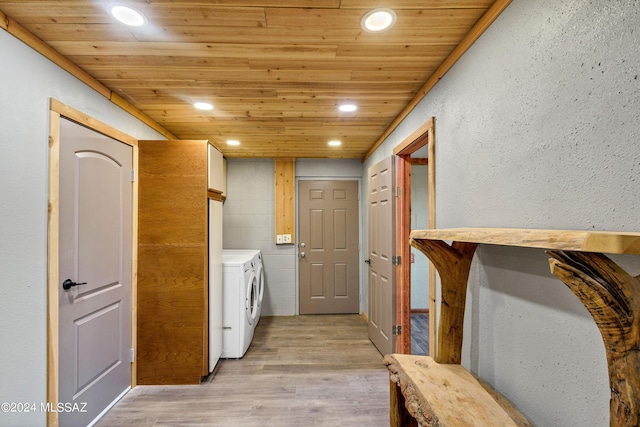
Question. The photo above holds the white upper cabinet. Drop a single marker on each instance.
(217, 171)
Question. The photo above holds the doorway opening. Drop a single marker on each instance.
(415, 209)
(103, 159)
(328, 248)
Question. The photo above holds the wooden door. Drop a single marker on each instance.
(380, 256)
(95, 271)
(328, 248)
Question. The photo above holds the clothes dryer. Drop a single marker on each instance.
(258, 270)
(240, 303)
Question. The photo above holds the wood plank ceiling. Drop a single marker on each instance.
(275, 70)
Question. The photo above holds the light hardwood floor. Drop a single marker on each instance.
(298, 371)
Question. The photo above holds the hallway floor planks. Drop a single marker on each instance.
(420, 334)
(299, 370)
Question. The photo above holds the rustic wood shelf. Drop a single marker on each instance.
(568, 240)
(611, 295)
(439, 394)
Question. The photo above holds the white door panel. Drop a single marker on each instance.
(381, 250)
(95, 256)
(215, 283)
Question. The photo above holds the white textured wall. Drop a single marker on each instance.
(249, 223)
(419, 221)
(538, 126)
(27, 81)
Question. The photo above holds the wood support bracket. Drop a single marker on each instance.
(612, 296)
(453, 263)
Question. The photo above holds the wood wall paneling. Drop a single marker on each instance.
(285, 197)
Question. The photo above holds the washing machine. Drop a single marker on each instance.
(240, 303)
(258, 270)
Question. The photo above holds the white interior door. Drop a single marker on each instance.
(382, 301)
(215, 283)
(95, 272)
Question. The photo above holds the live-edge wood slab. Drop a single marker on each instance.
(611, 295)
(567, 240)
(438, 394)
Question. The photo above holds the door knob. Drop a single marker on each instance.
(368, 261)
(302, 254)
(68, 284)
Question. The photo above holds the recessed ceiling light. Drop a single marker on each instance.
(348, 107)
(377, 20)
(335, 143)
(233, 142)
(128, 16)
(203, 106)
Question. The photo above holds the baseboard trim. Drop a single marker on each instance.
(109, 406)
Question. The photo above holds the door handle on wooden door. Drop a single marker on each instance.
(68, 284)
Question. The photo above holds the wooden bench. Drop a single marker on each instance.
(440, 392)
(437, 394)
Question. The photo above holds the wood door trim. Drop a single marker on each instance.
(53, 276)
(215, 195)
(418, 162)
(403, 275)
(57, 111)
(423, 135)
(91, 123)
(416, 140)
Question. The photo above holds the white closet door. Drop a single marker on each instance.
(215, 283)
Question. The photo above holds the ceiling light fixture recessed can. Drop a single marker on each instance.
(233, 142)
(127, 15)
(335, 143)
(377, 20)
(205, 106)
(348, 107)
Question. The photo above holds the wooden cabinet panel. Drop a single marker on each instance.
(174, 208)
(171, 309)
(173, 262)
